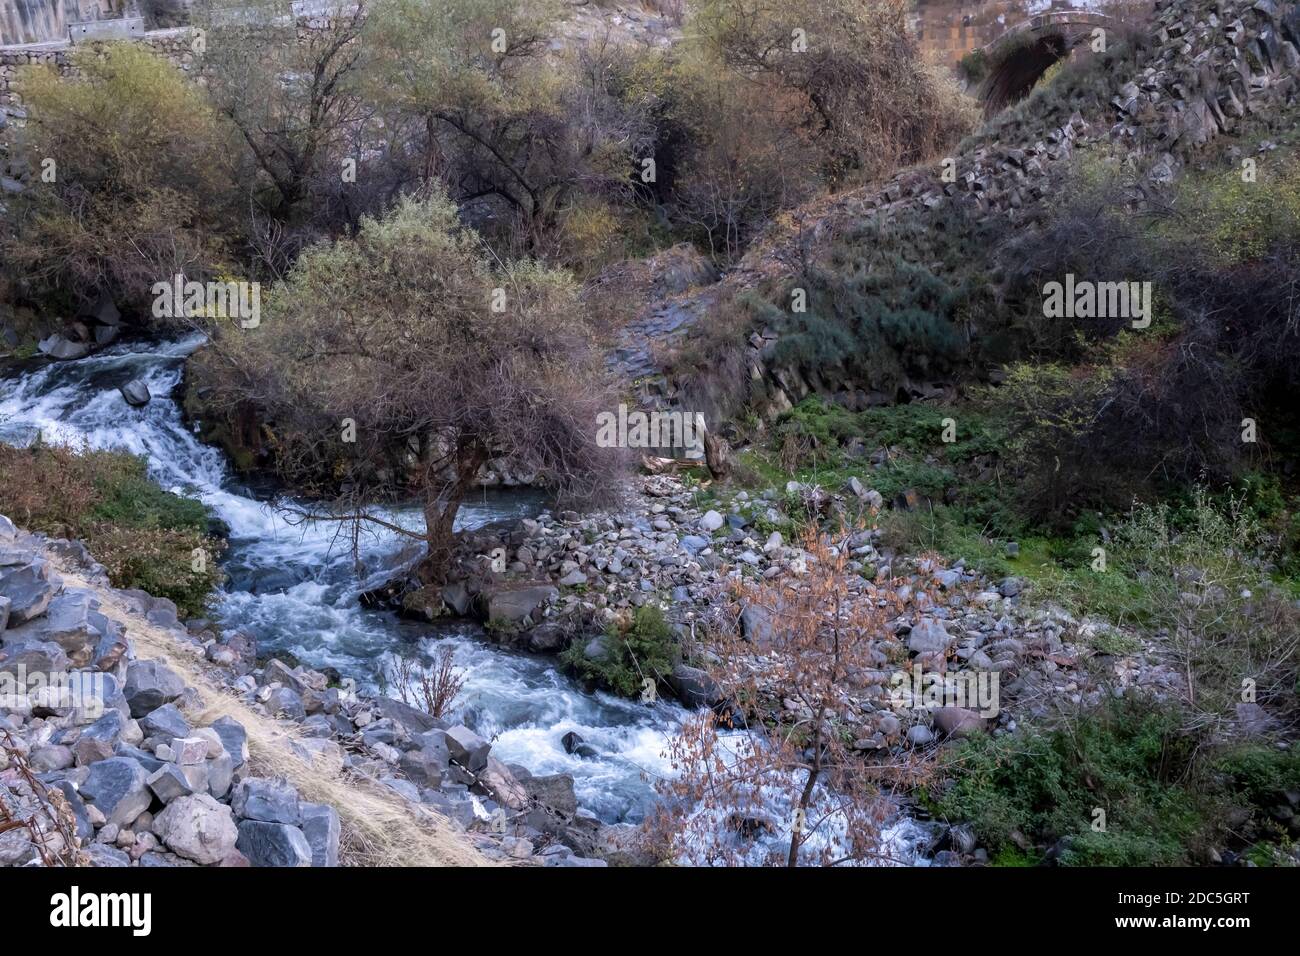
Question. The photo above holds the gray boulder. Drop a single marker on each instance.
(270, 801)
(425, 766)
(286, 702)
(929, 636)
(166, 722)
(273, 844)
(149, 685)
(320, 825)
(516, 605)
(32, 656)
(135, 393)
(117, 787)
(169, 783)
(71, 621)
(98, 740)
(467, 748)
(233, 737)
(60, 347)
(197, 828)
(411, 719)
(29, 589)
(693, 686)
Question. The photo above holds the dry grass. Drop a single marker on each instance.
(378, 828)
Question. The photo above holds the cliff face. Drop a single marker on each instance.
(1204, 70)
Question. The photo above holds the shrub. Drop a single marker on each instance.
(646, 647)
(144, 536)
(144, 183)
(1132, 759)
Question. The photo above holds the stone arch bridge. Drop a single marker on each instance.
(1020, 56)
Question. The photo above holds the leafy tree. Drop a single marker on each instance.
(133, 178)
(385, 372)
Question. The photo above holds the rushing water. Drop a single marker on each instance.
(295, 586)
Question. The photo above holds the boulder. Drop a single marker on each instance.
(166, 723)
(270, 801)
(61, 348)
(273, 844)
(711, 521)
(198, 828)
(929, 636)
(467, 748)
(135, 393)
(320, 825)
(98, 740)
(149, 685)
(117, 788)
(553, 792)
(425, 766)
(29, 589)
(411, 719)
(31, 656)
(233, 737)
(693, 686)
(286, 702)
(71, 621)
(169, 783)
(500, 784)
(518, 604)
(957, 721)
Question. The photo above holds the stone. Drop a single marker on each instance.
(149, 685)
(28, 588)
(425, 766)
(517, 604)
(273, 844)
(5, 604)
(711, 521)
(270, 801)
(695, 543)
(573, 743)
(957, 721)
(51, 757)
(169, 783)
(98, 740)
(166, 723)
(929, 636)
(233, 738)
(553, 792)
(1010, 587)
(500, 784)
(573, 579)
(693, 686)
(198, 828)
(135, 393)
(31, 657)
(411, 719)
(188, 751)
(61, 348)
(221, 772)
(320, 825)
(467, 748)
(117, 787)
(286, 702)
(919, 735)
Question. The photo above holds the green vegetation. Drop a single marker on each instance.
(145, 537)
(1165, 801)
(645, 647)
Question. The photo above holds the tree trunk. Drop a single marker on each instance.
(441, 505)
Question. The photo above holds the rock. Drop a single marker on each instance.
(4, 612)
(573, 579)
(221, 771)
(98, 740)
(425, 766)
(929, 636)
(270, 801)
(919, 735)
(756, 624)
(711, 521)
(412, 720)
(168, 783)
(518, 604)
(457, 597)
(166, 723)
(320, 825)
(31, 657)
(957, 721)
(59, 347)
(28, 588)
(50, 758)
(1010, 587)
(573, 743)
(547, 639)
(106, 856)
(273, 844)
(136, 393)
(501, 785)
(693, 686)
(149, 685)
(198, 828)
(71, 621)
(554, 793)
(233, 738)
(597, 648)
(286, 702)
(695, 543)
(117, 788)
(467, 748)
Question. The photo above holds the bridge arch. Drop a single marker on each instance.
(1020, 56)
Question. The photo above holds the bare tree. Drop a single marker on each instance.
(790, 770)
